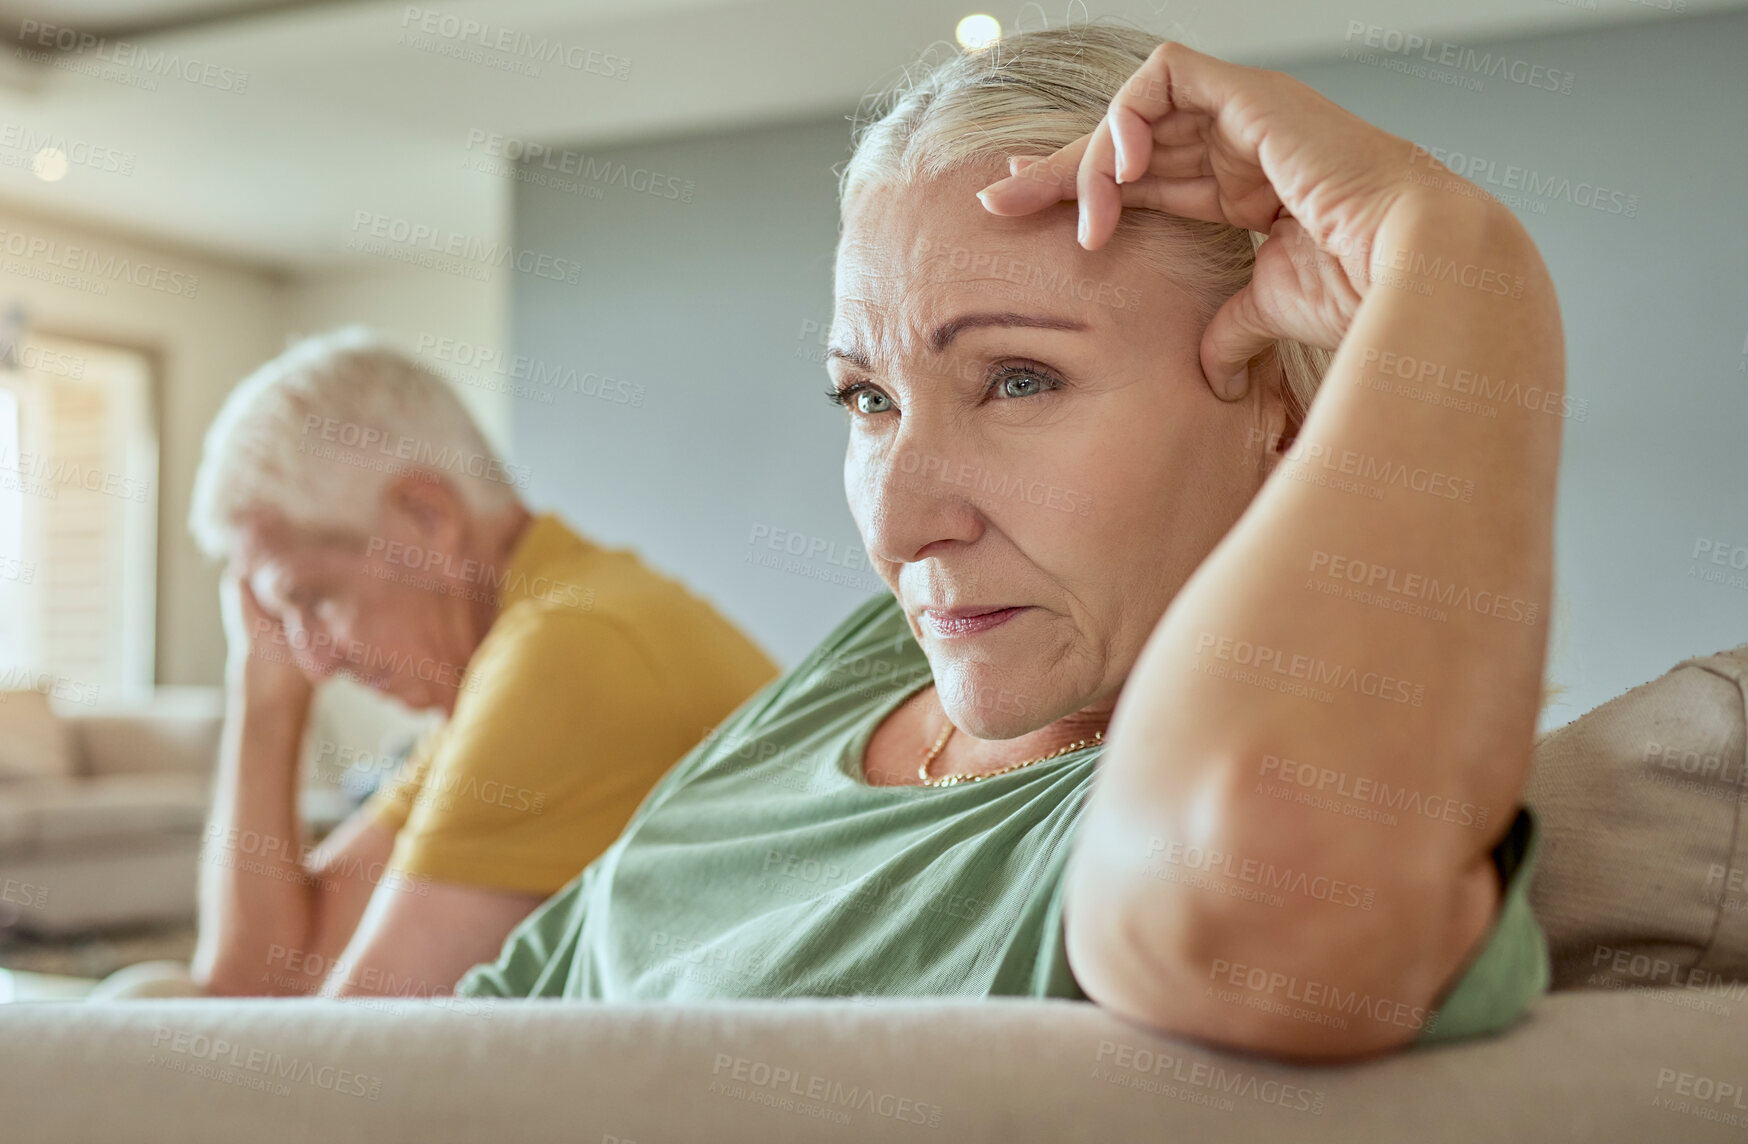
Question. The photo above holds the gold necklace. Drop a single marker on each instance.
(954, 780)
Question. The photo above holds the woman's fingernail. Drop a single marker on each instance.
(1083, 229)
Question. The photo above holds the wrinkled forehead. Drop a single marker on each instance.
(268, 549)
(910, 254)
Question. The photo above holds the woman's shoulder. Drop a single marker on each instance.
(870, 646)
(874, 640)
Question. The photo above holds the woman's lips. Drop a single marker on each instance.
(956, 623)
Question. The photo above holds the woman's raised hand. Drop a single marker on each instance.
(1195, 136)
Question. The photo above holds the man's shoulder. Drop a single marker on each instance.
(574, 574)
(561, 572)
(533, 640)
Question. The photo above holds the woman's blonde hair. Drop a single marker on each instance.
(1030, 94)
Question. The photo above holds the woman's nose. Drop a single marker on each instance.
(914, 499)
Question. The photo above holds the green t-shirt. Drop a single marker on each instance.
(764, 865)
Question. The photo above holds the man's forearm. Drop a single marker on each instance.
(255, 893)
(1269, 654)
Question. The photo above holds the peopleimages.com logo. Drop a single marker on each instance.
(97, 269)
(136, 64)
(590, 169)
(30, 143)
(524, 376)
(376, 233)
(368, 442)
(507, 49)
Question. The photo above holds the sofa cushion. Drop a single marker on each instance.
(174, 729)
(1642, 878)
(87, 814)
(1621, 1069)
(34, 743)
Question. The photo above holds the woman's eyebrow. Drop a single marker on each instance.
(944, 334)
(852, 355)
(947, 331)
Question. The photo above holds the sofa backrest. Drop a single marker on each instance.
(175, 729)
(1642, 878)
(34, 741)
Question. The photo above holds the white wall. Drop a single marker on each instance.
(708, 305)
(202, 345)
(702, 304)
(1656, 312)
(415, 309)
(237, 317)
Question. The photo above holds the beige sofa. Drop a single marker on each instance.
(1645, 1038)
(102, 807)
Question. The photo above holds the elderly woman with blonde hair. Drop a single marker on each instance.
(1225, 729)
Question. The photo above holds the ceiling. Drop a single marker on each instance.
(139, 17)
(262, 129)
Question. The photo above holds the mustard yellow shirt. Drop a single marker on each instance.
(596, 676)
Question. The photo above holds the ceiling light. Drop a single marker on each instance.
(977, 32)
(50, 164)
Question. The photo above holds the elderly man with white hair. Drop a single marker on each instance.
(368, 527)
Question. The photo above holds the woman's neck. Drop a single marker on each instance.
(964, 753)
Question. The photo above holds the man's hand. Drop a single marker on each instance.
(249, 908)
(259, 666)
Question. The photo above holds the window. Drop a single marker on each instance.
(78, 518)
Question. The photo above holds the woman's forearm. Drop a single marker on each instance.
(1375, 622)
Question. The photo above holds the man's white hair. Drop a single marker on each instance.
(319, 431)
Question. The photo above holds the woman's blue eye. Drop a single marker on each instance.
(1022, 385)
(871, 401)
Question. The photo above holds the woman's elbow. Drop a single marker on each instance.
(1307, 982)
